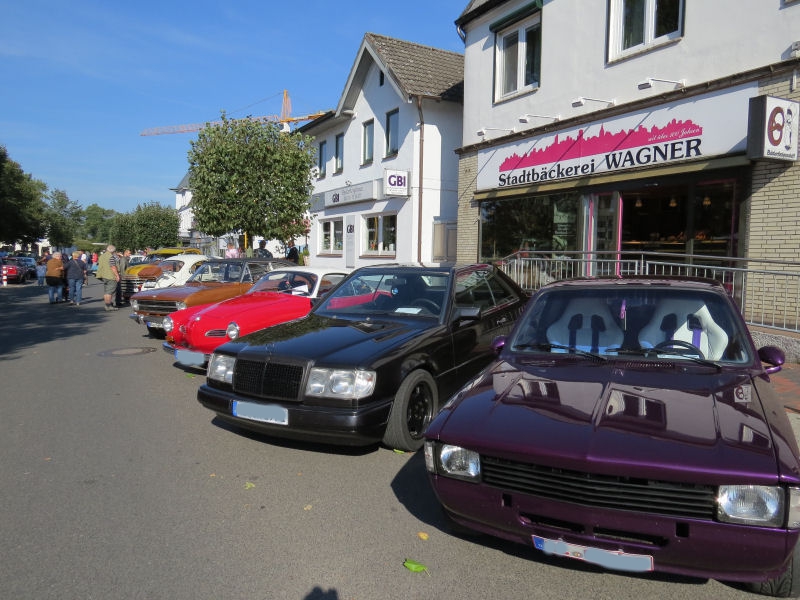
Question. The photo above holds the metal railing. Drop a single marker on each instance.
(766, 291)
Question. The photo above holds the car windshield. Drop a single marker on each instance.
(647, 322)
(222, 272)
(293, 282)
(170, 266)
(400, 292)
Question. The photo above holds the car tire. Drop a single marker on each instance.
(157, 333)
(415, 404)
(785, 585)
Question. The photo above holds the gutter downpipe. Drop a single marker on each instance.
(420, 169)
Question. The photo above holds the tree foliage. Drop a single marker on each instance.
(63, 218)
(248, 176)
(150, 225)
(22, 203)
(97, 223)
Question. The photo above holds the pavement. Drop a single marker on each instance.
(787, 385)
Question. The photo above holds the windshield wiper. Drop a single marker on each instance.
(546, 346)
(659, 352)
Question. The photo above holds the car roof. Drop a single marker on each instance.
(640, 280)
(315, 270)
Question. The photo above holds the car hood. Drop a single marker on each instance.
(356, 343)
(252, 306)
(181, 292)
(699, 425)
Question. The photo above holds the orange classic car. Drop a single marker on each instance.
(214, 281)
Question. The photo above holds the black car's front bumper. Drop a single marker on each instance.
(362, 426)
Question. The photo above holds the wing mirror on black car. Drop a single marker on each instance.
(468, 313)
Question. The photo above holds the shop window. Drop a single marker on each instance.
(367, 142)
(339, 152)
(541, 223)
(392, 132)
(518, 51)
(637, 25)
(322, 158)
(381, 234)
(331, 238)
(698, 219)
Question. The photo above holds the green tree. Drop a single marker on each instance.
(22, 203)
(155, 226)
(149, 225)
(63, 218)
(248, 176)
(122, 231)
(97, 223)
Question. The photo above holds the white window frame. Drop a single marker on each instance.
(322, 159)
(502, 39)
(328, 243)
(368, 142)
(385, 242)
(616, 34)
(392, 133)
(339, 152)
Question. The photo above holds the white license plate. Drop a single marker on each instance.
(187, 357)
(617, 560)
(266, 413)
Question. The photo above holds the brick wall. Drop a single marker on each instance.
(468, 210)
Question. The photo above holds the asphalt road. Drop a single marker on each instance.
(116, 483)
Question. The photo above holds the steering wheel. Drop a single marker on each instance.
(680, 344)
(428, 305)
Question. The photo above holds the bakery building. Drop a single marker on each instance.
(654, 132)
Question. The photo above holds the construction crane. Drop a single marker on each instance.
(284, 118)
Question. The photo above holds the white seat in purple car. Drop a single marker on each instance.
(587, 325)
(687, 321)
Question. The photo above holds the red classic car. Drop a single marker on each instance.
(279, 296)
(14, 270)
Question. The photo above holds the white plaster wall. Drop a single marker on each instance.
(720, 39)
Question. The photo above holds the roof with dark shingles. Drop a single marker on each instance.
(421, 70)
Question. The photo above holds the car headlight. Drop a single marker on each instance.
(180, 305)
(167, 324)
(220, 368)
(452, 461)
(752, 505)
(340, 383)
(135, 305)
(232, 331)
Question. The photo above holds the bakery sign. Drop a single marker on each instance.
(772, 128)
(696, 128)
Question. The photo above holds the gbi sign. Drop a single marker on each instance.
(395, 183)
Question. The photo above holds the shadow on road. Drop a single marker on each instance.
(25, 309)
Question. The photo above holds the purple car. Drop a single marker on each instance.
(629, 423)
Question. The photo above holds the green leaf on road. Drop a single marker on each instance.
(249, 485)
(414, 566)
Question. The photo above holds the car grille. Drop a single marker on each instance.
(130, 285)
(157, 307)
(215, 333)
(601, 491)
(268, 380)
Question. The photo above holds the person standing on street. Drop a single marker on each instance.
(54, 276)
(292, 254)
(122, 265)
(77, 275)
(108, 272)
(41, 271)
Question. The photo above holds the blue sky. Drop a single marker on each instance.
(80, 80)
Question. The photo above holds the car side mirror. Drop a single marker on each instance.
(773, 356)
(468, 313)
(498, 344)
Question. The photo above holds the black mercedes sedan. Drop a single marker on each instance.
(372, 361)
